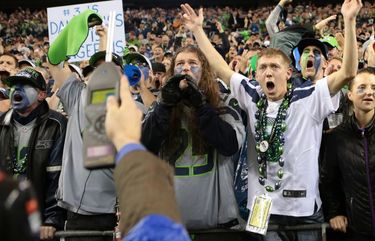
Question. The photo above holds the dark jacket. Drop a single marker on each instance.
(43, 160)
(348, 175)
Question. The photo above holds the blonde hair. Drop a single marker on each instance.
(270, 52)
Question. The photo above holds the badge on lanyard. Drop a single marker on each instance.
(259, 215)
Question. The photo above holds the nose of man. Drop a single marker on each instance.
(268, 72)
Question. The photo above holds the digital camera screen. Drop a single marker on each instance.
(100, 96)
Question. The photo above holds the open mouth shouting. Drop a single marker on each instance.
(310, 64)
(270, 86)
(157, 84)
(17, 98)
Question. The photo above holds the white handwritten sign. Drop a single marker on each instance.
(59, 17)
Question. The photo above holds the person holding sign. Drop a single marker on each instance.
(286, 124)
(89, 196)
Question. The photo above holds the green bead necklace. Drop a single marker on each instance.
(270, 147)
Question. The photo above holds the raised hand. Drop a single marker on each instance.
(350, 8)
(191, 20)
(340, 39)
(219, 27)
(371, 54)
(284, 2)
(324, 22)
(101, 31)
(330, 18)
(245, 57)
(59, 73)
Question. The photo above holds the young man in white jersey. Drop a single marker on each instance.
(285, 124)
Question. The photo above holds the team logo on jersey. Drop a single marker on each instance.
(43, 144)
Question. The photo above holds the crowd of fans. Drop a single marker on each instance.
(209, 109)
(24, 32)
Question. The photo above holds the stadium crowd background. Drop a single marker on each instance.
(24, 32)
(158, 32)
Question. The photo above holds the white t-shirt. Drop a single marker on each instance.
(309, 105)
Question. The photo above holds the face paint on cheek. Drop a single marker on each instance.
(318, 60)
(197, 71)
(11, 92)
(32, 94)
(360, 91)
(304, 58)
(178, 70)
(22, 97)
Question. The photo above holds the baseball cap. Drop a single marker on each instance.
(87, 70)
(135, 48)
(74, 68)
(312, 42)
(101, 56)
(137, 59)
(330, 41)
(27, 62)
(27, 76)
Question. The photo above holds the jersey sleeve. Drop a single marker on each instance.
(321, 104)
(70, 92)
